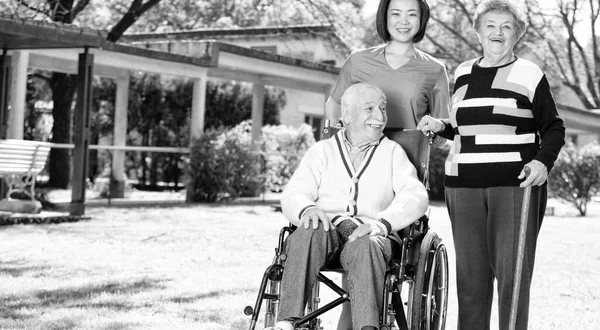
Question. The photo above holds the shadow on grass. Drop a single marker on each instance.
(20, 307)
(207, 295)
(17, 268)
(74, 295)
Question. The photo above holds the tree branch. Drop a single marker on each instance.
(136, 9)
(33, 8)
(594, 13)
(439, 46)
(464, 10)
(569, 19)
(457, 35)
(80, 6)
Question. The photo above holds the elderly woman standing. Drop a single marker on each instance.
(503, 121)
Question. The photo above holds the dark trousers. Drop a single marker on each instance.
(485, 228)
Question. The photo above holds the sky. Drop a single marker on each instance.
(370, 7)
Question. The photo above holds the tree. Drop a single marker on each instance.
(551, 36)
(119, 16)
(63, 85)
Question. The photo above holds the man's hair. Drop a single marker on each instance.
(381, 20)
(351, 96)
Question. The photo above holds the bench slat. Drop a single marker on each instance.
(22, 157)
(24, 151)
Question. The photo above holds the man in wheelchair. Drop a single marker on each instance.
(348, 197)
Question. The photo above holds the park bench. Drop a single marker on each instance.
(20, 163)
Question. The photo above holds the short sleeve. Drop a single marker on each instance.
(439, 99)
(343, 81)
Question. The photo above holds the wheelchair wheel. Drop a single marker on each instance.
(430, 290)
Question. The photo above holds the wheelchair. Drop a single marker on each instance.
(419, 265)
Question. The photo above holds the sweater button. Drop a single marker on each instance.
(355, 180)
(352, 202)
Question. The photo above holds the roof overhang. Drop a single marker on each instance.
(56, 47)
(16, 33)
(579, 121)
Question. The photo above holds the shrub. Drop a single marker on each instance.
(221, 166)
(283, 148)
(575, 177)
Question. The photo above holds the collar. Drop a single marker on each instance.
(361, 147)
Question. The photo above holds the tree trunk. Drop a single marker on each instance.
(63, 92)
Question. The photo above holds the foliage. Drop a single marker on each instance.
(37, 90)
(575, 177)
(283, 147)
(229, 103)
(221, 166)
(188, 15)
(63, 85)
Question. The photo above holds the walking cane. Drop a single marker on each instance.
(520, 251)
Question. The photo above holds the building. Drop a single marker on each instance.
(314, 43)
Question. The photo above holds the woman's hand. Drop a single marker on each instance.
(314, 215)
(538, 174)
(429, 124)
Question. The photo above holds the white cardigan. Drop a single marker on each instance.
(385, 186)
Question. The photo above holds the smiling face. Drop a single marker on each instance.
(367, 118)
(403, 20)
(497, 34)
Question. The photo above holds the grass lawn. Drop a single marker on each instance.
(196, 267)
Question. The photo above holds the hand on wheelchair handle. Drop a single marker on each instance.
(315, 215)
(429, 125)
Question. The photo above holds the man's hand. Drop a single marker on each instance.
(538, 174)
(366, 229)
(314, 215)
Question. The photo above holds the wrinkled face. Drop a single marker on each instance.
(403, 19)
(497, 33)
(368, 118)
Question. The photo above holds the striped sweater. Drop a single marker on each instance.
(384, 186)
(501, 118)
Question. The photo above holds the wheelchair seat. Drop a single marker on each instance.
(419, 264)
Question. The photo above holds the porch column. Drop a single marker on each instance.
(258, 102)
(5, 67)
(81, 134)
(117, 182)
(198, 107)
(18, 91)
(197, 115)
(5, 63)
